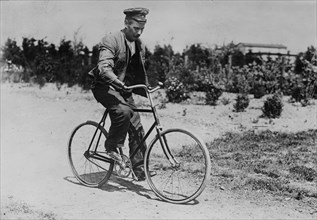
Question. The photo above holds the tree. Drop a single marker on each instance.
(250, 57)
(29, 51)
(237, 58)
(299, 64)
(310, 53)
(159, 63)
(12, 52)
(225, 52)
(65, 50)
(197, 57)
(52, 51)
(95, 55)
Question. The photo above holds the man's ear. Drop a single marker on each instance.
(126, 23)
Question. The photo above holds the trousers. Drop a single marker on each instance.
(124, 121)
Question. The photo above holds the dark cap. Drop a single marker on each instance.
(137, 14)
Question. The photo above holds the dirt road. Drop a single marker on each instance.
(35, 127)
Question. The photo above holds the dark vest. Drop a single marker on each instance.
(135, 70)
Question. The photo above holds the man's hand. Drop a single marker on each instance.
(126, 90)
(120, 86)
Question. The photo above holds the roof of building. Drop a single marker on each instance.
(278, 46)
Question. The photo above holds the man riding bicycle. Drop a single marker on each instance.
(121, 64)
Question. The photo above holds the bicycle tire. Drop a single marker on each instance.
(89, 171)
(186, 182)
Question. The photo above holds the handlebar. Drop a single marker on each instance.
(142, 86)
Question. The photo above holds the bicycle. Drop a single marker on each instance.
(179, 158)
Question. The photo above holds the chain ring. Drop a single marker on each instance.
(126, 171)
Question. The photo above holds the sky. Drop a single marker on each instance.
(178, 23)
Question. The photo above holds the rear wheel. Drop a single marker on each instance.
(87, 156)
(182, 167)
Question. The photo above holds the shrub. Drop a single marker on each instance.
(303, 90)
(238, 81)
(242, 102)
(39, 80)
(298, 93)
(175, 90)
(258, 90)
(194, 80)
(212, 94)
(225, 101)
(273, 106)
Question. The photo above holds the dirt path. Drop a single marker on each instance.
(35, 127)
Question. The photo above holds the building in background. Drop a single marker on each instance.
(262, 48)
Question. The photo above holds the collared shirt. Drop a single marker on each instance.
(131, 47)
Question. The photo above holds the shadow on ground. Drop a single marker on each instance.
(116, 184)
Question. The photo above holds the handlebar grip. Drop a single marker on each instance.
(161, 85)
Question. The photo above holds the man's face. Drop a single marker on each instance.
(134, 29)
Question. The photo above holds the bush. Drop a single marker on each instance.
(258, 90)
(242, 102)
(273, 106)
(212, 94)
(305, 86)
(194, 80)
(238, 81)
(175, 90)
(39, 80)
(225, 101)
(298, 93)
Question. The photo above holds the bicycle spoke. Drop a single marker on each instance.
(89, 167)
(184, 177)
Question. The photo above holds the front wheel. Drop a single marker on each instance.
(87, 155)
(181, 163)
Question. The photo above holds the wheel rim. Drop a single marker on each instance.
(183, 182)
(89, 171)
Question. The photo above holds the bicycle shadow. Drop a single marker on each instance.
(118, 184)
(128, 184)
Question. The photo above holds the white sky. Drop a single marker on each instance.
(179, 23)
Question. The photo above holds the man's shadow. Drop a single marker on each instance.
(117, 184)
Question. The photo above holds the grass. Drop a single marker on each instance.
(283, 163)
(21, 210)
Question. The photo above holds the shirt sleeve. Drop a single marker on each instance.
(107, 56)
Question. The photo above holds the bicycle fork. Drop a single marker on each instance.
(166, 149)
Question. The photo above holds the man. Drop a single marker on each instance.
(121, 64)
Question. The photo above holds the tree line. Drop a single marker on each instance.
(198, 68)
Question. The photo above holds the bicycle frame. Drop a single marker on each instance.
(156, 124)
